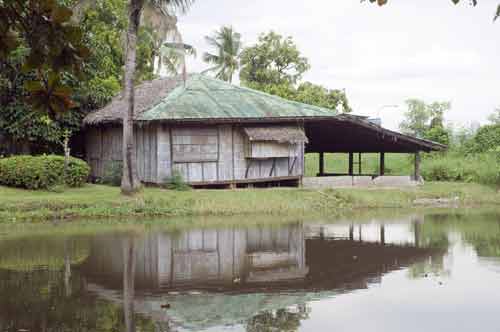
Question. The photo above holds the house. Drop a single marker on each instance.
(215, 133)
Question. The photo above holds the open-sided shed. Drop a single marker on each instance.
(215, 133)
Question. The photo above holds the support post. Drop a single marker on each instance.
(382, 234)
(351, 164)
(416, 175)
(382, 164)
(359, 165)
(321, 164)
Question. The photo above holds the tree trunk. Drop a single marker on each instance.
(130, 179)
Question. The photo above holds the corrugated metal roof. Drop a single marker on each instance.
(281, 134)
(203, 97)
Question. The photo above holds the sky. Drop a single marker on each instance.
(426, 49)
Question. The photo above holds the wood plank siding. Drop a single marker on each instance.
(208, 154)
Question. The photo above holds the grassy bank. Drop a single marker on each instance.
(97, 201)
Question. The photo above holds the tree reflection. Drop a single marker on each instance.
(128, 283)
(282, 320)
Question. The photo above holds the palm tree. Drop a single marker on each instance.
(227, 44)
(157, 14)
(130, 180)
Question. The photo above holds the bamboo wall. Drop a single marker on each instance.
(199, 154)
(104, 148)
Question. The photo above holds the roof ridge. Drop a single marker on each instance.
(258, 92)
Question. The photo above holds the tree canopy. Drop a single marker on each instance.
(274, 60)
(99, 78)
(47, 46)
(426, 120)
(275, 65)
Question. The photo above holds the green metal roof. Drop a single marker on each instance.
(202, 97)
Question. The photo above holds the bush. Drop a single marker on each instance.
(113, 173)
(487, 139)
(176, 182)
(481, 168)
(42, 172)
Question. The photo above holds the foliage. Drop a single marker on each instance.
(101, 26)
(274, 60)
(54, 48)
(438, 134)
(309, 93)
(227, 45)
(480, 168)
(280, 320)
(112, 173)
(176, 182)
(274, 65)
(426, 120)
(487, 139)
(494, 118)
(42, 172)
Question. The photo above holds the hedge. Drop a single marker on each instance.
(42, 172)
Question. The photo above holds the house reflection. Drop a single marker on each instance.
(206, 258)
(213, 277)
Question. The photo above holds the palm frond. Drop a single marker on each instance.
(172, 6)
(210, 58)
(181, 48)
(227, 45)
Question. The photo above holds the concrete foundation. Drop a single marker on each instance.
(326, 182)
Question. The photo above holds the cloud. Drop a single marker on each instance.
(432, 50)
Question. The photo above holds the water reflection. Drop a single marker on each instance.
(262, 278)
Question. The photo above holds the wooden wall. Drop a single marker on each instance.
(199, 154)
(104, 147)
(229, 159)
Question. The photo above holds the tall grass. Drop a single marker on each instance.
(481, 168)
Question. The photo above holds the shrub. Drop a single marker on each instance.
(42, 172)
(113, 173)
(487, 138)
(481, 168)
(176, 182)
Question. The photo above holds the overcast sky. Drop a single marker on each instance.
(427, 49)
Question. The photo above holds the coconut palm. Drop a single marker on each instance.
(227, 44)
(158, 16)
(130, 180)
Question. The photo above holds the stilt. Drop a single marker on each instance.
(359, 164)
(382, 234)
(382, 163)
(321, 164)
(351, 164)
(416, 175)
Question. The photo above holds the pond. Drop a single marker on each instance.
(413, 271)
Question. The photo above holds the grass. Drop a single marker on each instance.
(452, 166)
(395, 163)
(99, 201)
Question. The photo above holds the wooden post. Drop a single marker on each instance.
(382, 234)
(321, 164)
(351, 163)
(382, 164)
(359, 165)
(416, 175)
